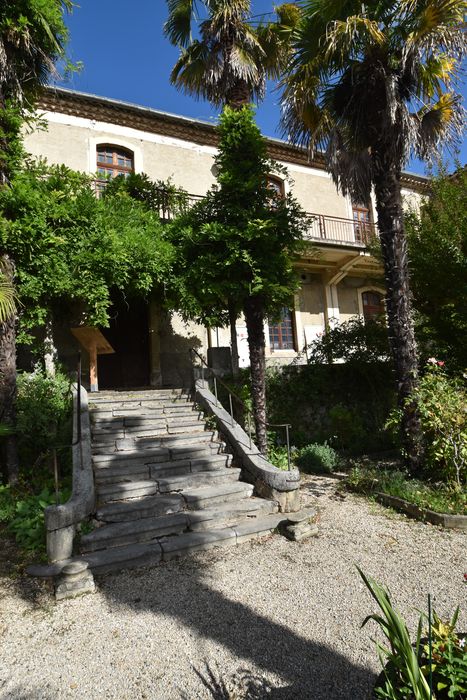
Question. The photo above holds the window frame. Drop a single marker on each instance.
(287, 336)
(112, 169)
(382, 305)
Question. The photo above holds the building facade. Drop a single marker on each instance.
(339, 277)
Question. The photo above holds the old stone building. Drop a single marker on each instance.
(339, 277)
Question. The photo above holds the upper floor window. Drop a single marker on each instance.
(373, 305)
(276, 186)
(362, 222)
(113, 161)
(281, 335)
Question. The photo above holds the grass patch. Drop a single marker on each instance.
(438, 497)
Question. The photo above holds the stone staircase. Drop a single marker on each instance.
(165, 485)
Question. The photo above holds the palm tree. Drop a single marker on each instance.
(372, 84)
(229, 65)
(32, 36)
(232, 58)
(7, 299)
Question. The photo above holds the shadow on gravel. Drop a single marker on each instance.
(308, 671)
(17, 693)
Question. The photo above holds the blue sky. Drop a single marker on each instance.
(126, 56)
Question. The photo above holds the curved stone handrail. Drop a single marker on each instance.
(61, 520)
(269, 481)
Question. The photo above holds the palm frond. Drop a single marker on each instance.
(8, 299)
(443, 121)
(178, 25)
(347, 38)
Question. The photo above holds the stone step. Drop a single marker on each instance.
(146, 529)
(137, 531)
(157, 455)
(211, 496)
(134, 444)
(137, 472)
(166, 548)
(96, 407)
(102, 416)
(149, 507)
(133, 423)
(231, 513)
(123, 394)
(122, 490)
(194, 481)
(119, 558)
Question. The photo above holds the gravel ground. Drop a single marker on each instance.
(280, 617)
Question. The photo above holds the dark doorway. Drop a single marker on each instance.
(128, 334)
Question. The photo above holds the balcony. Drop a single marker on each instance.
(339, 231)
(333, 230)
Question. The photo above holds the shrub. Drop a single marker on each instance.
(441, 498)
(317, 459)
(355, 340)
(28, 524)
(407, 666)
(442, 405)
(44, 409)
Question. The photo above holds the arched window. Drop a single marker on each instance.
(373, 305)
(113, 161)
(281, 335)
(276, 185)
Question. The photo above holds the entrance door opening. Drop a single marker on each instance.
(128, 334)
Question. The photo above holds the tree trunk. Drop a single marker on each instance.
(8, 382)
(233, 339)
(50, 351)
(254, 316)
(239, 95)
(398, 302)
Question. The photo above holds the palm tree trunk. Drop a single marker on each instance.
(254, 317)
(239, 95)
(8, 382)
(233, 339)
(398, 302)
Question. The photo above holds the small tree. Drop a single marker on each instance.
(236, 247)
(437, 238)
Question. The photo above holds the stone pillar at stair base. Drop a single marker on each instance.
(60, 543)
(75, 579)
(289, 501)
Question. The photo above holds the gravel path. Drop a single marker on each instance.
(281, 617)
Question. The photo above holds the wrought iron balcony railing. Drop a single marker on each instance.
(334, 229)
(322, 228)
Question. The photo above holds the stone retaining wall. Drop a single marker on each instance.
(61, 520)
(269, 481)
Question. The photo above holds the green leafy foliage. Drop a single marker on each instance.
(355, 340)
(7, 504)
(160, 196)
(448, 658)
(369, 479)
(437, 237)
(44, 409)
(317, 459)
(406, 664)
(224, 243)
(72, 250)
(345, 405)
(442, 406)
(441, 403)
(28, 524)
